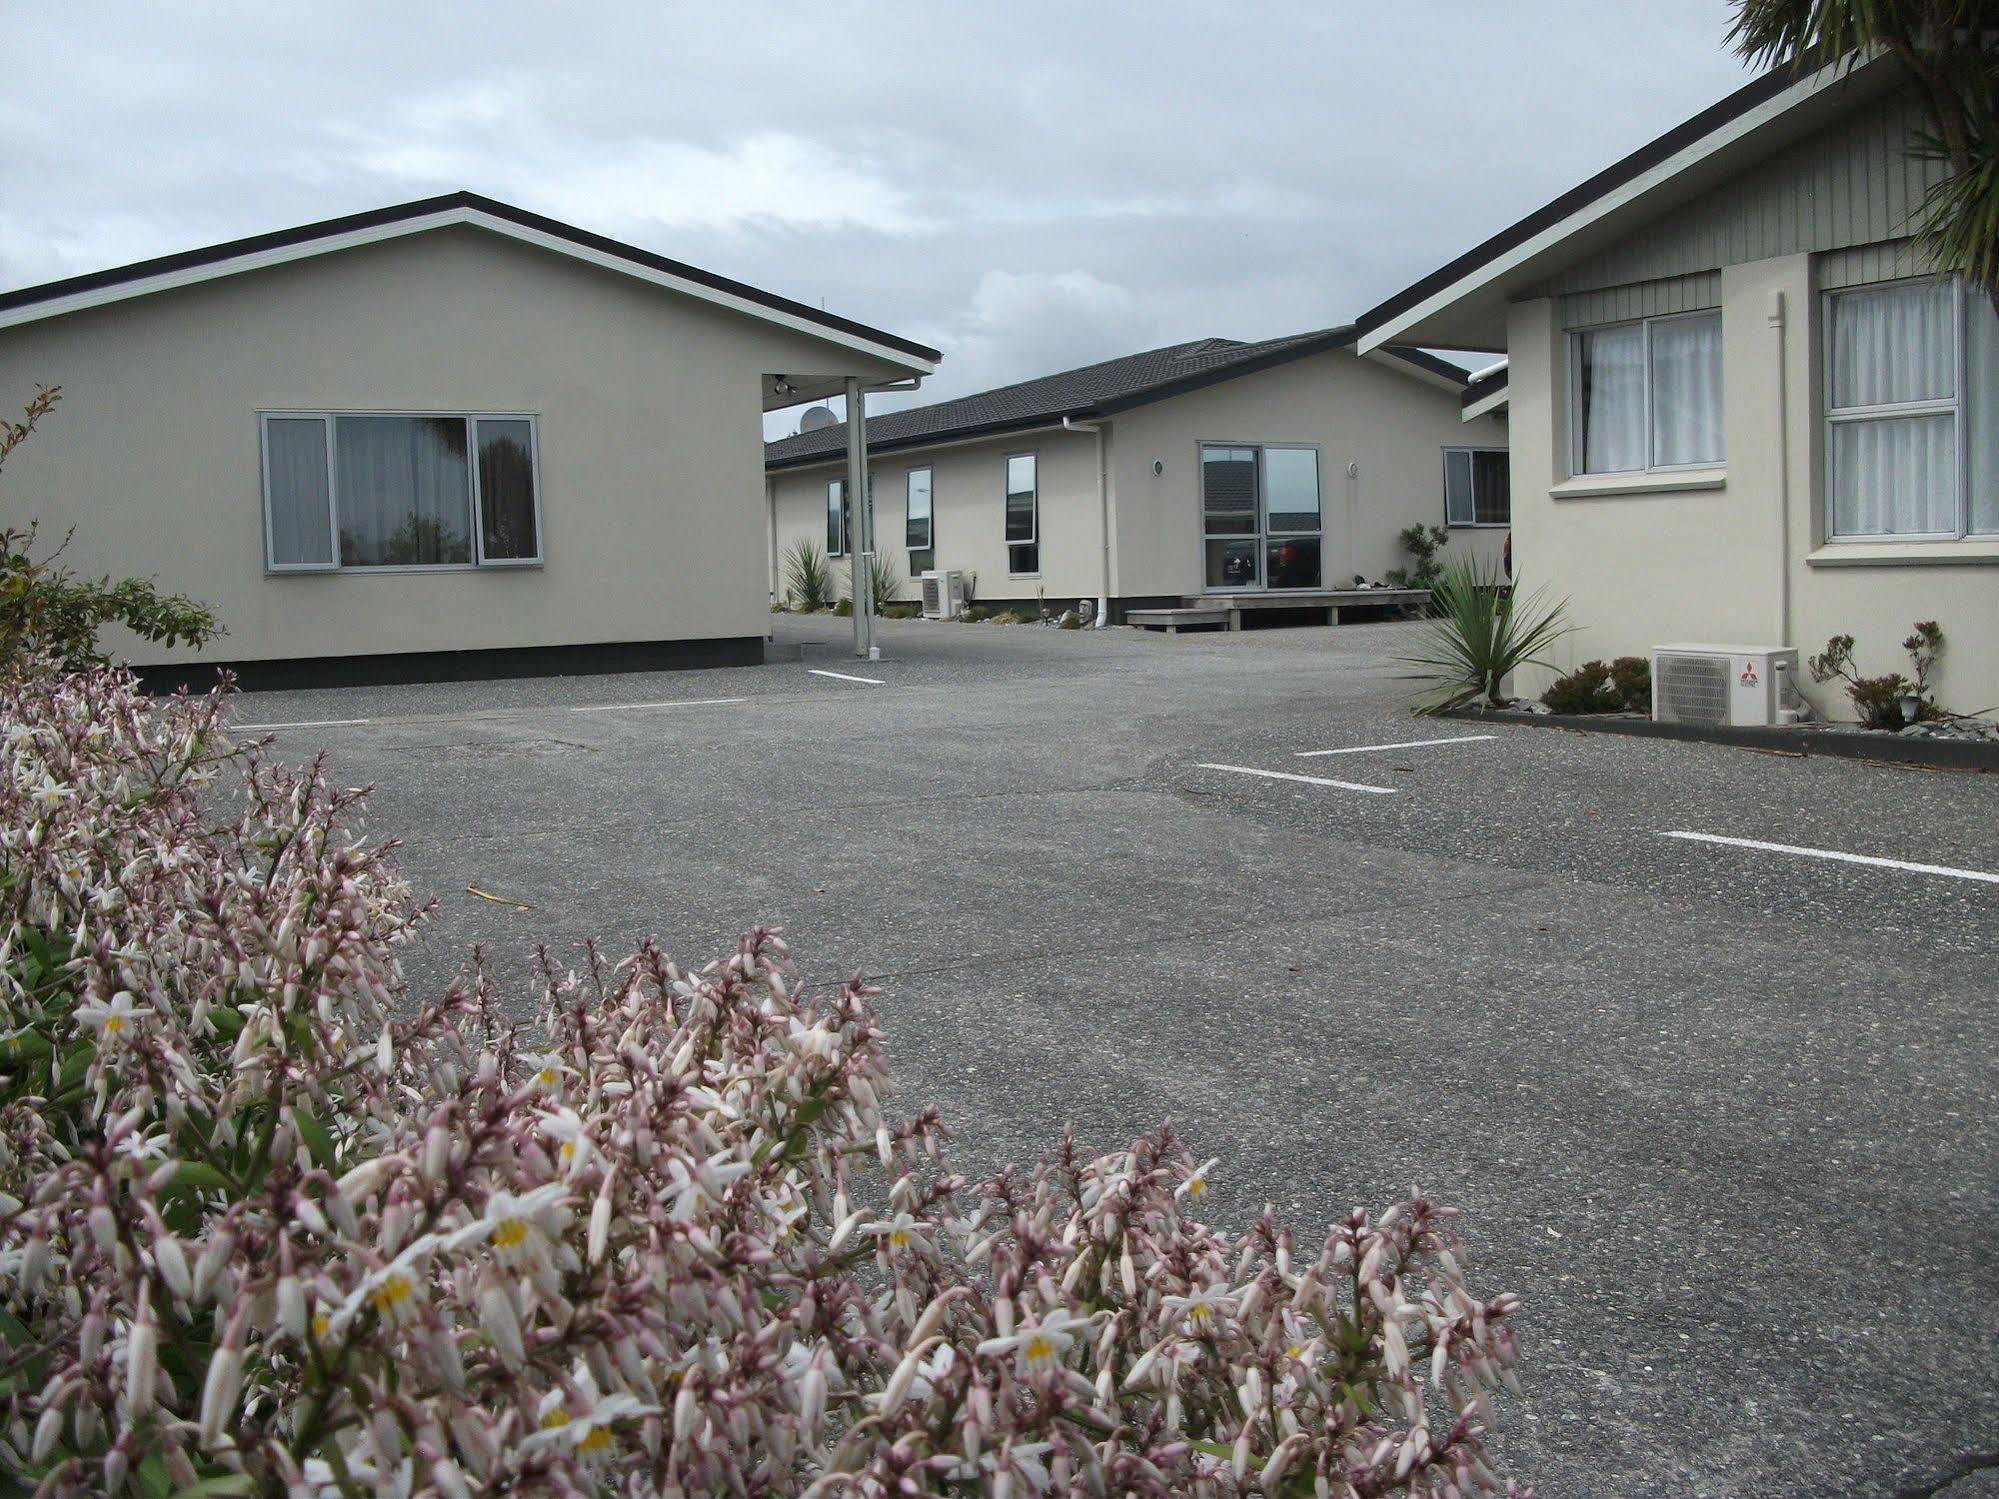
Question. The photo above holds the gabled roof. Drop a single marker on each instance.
(1092, 392)
(236, 256)
(1462, 305)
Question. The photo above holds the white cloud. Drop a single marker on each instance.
(1021, 324)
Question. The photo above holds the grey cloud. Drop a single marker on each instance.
(1028, 185)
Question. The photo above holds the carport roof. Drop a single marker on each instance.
(54, 298)
(1091, 392)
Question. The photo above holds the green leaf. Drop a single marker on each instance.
(317, 1140)
(196, 1176)
(1213, 1449)
(221, 1483)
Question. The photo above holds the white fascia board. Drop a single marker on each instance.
(378, 233)
(1484, 404)
(1397, 329)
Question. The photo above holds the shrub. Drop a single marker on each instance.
(844, 608)
(903, 610)
(1877, 701)
(1587, 689)
(884, 582)
(1621, 686)
(808, 579)
(1422, 543)
(1011, 617)
(47, 609)
(268, 1225)
(1632, 677)
(1483, 630)
(973, 614)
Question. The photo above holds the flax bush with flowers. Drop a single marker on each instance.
(270, 1224)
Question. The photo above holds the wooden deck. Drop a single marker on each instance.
(1227, 609)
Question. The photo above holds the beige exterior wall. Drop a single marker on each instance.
(647, 405)
(968, 498)
(1356, 411)
(1741, 557)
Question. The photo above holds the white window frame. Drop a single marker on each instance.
(1954, 407)
(1575, 338)
(1476, 524)
(471, 418)
(846, 515)
(930, 520)
(1006, 492)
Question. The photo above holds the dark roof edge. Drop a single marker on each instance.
(1647, 156)
(396, 213)
(1332, 338)
(1483, 388)
(968, 433)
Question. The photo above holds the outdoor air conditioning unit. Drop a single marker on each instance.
(1736, 685)
(943, 594)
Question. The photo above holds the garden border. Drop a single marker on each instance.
(1811, 740)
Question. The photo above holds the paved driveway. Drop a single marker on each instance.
(1721, 1115)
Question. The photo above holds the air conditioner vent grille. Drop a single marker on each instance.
(1693, 689)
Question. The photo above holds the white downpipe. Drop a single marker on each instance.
(1096, 430)
(1777, 323)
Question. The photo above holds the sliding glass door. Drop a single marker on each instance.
(1261, 518)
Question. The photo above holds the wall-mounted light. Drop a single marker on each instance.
(1353, 470)
(1158, 467)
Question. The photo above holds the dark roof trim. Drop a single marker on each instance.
(1492, 383)
(1612, 177)
(1332, 338)
(459, 202)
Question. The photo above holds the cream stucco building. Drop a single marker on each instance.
(450, 438)
(1284, 467)
(1741, 411)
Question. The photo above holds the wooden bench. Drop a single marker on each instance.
(1333, 600)
(1172, 621)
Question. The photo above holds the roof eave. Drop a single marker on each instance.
(164, 273)
(1463, 304)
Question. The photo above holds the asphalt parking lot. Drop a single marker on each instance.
(1720, 1114)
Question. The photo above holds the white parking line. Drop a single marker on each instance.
(844, 677)
(685, 702)
(1362, 749)
(1285, 775)
(1828, 853)
(312, 723)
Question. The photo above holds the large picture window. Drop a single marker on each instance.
(1023, 516)
(917, 533)
(1261, 517)
(1477, 487)
(1646, 395)
(1912, 412)
(363, 491)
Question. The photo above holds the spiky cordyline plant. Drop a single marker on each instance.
(884, 580)
(1950, 49)
(807, 577)
(1481, 631)
(270, 1225)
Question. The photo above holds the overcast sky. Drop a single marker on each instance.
(1027, 186)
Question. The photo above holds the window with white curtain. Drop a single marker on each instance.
(1646, 395)
(362, 490)
(1912, 412)
(1477, 487)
